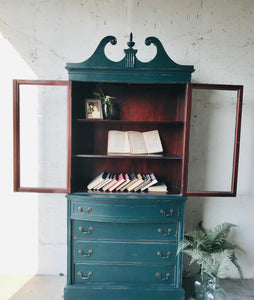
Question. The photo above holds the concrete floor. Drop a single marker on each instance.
(51, 287)
(23, 287)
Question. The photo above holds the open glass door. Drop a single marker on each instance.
(42, 136)
(211, 168)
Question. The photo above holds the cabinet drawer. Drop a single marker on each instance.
(123, 273)
(115, 251)
(124, 231)
(129, 212)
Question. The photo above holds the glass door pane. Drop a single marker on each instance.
(41, 110)
(214, 140)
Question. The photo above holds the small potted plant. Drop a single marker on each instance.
(110, 109)
(214, 254)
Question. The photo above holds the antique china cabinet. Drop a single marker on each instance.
(122, 245)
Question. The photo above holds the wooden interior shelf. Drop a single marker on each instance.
(145, 122)
(171, 191)
(123, 156)
(136, 102)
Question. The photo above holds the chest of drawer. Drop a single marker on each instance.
(115, 251)
(125, 212)
(124, 231)
(123, 273)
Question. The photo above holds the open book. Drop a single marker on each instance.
(134, 142)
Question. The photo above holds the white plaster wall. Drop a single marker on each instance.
(39, 37)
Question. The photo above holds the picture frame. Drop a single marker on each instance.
(93, 109)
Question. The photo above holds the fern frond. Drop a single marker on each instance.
(217, 237)
(234, 260)
(183, 245)
(210, 265)
(229, 246)
(195, 235)
(210, 268)
(188, 252)
(224, 262)
(198, 256)
(200, 226)
(197, 238)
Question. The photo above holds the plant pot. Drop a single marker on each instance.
(204, 287)
(110, 110)
(213, 291)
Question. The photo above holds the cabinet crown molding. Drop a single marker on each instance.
(130, 69)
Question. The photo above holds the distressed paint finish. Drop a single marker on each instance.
(125, 251)
(117, 207)
(101, 291)
(102, 230)
(136, 261)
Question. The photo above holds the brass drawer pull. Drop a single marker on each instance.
(164, 257)
(85, 212)
(159, 276)
(162, 232)
(85, 277)
(90, 229)
(163, 212)
(90, 252)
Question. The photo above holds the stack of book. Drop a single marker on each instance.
(108, 182)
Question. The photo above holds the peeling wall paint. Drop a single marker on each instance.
(217, 37)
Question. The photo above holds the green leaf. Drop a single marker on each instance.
(224, 262)
(183, 245)
(236, 264)
(219, 235)
(211, 250)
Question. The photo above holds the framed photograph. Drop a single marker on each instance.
(93, 109)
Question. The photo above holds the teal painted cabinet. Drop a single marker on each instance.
(117, 251)
(123, 245)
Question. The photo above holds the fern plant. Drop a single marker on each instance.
(211, 250)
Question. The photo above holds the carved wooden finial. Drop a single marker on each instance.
(130, 57)
(130, 44)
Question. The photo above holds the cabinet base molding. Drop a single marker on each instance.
(123, 292)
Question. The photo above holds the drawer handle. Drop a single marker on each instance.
(85, 277)
(90, 229)
(159, 276)
(164, 257)
(163, 212)
(162, 232)
(85, 212)
(90, 252)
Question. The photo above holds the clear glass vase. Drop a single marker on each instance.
(197, 286)
(213, 291)
(110, 110)
(204, 287)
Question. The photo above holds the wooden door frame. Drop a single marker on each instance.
(239, 89)
(16, 136)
